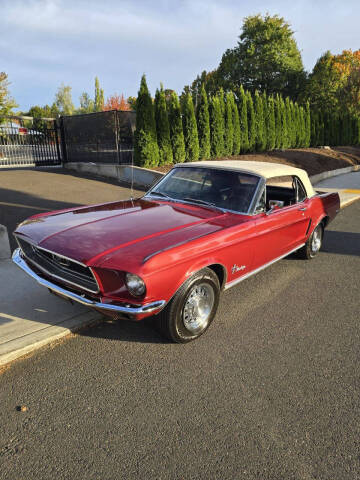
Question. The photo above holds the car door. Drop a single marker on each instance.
(281, 230)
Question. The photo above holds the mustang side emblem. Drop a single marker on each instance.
(235, 268)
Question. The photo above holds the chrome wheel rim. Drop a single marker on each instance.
(198, 307)
(316, 240)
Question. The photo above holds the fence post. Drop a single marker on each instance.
(63, 141)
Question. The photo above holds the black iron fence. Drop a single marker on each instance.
(102, 137)
(29, 141)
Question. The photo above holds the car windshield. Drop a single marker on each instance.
(208, 186)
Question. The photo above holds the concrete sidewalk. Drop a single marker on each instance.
(347, 185)
(30, 316)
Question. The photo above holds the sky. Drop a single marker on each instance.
(46, 42)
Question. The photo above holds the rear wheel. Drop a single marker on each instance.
(313, 244)
(192, 309)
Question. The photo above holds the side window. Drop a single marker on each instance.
(284, 191)
(261, 204)
(300, 193)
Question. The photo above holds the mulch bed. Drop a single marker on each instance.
(313, 160)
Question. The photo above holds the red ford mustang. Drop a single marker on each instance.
(203, 228)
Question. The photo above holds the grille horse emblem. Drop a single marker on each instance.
(60, 260)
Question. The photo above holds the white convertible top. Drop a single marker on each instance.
(263, 169)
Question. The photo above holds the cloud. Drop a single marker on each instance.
(45, 42)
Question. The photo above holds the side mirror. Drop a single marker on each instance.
(275, 205)
(272, 208)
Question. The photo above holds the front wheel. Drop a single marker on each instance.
(192, 309)
(313, 244)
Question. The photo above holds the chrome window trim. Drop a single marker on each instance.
(262, 267)
(69, 282)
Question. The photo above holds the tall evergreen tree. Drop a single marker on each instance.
(162, 128)
(222, 104)
(236, 125)
(259, 121)
(176, 129)
(146, 151)
(288, 123)
(244, 133)
(216, 128)
(229, 127)
(278, 126)
(190, 129)
(203, 124)
(284, 128)
(251, 121)
(270, 123)
(321, 129)
(308, 125)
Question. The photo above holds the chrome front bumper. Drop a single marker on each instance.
(130, 310)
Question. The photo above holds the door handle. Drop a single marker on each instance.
(302, 209)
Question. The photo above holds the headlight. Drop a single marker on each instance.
(134, 284)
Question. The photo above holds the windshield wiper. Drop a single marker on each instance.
(202, 202)
(160, 194)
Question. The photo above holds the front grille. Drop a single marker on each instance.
(58, 267)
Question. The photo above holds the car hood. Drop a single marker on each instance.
(92, 234)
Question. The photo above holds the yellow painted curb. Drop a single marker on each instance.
(352, 191)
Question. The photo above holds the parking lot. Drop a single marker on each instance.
(270, 392)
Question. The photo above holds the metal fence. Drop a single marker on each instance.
(29, 141)
(102, 137)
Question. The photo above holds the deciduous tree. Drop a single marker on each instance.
(266, 58)
(63, 100)
(7, 104)
(99, 96)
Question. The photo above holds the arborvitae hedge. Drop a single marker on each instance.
(190, 129)
(176, 129)
(203, 124)
(236, 125)
(260, 142)
(162, 128)
(146, 151)
(229, 127)
(270, 123)
(216, 128)
(243, 116)
(251, 122)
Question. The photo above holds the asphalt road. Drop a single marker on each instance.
(28, 191)
(271, 391)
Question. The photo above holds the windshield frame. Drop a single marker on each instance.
(257, 193)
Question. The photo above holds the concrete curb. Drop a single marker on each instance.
(142, 177)
(21, 346)
(145, 178)
(333, 173)
(5, 251)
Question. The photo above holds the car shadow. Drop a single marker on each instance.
(126, 331)
(341, 243)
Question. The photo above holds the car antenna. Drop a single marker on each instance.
(133, 127)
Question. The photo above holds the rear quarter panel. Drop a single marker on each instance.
(323, 205)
